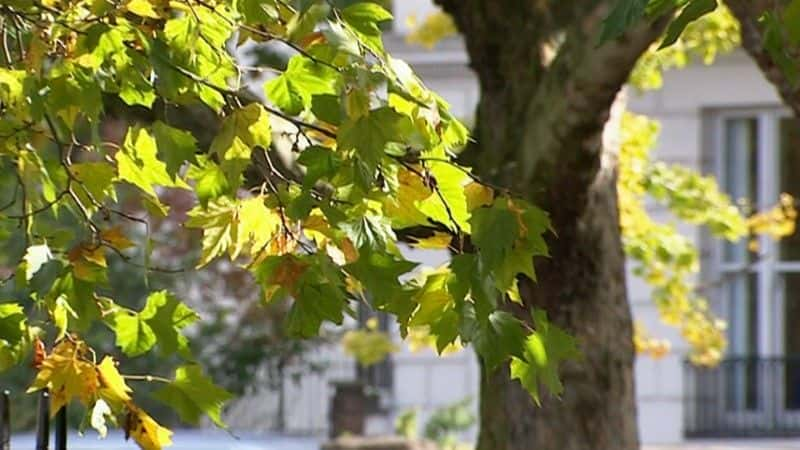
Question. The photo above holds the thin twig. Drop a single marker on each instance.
(148, 378)
(128, 260)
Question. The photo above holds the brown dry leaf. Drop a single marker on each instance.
(116, 238)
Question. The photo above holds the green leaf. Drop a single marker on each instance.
(319, 296)
(306, 20)
(370, 133)
(192, 394)
(134, 336)
(694, 10)
(433, 299)
(379, 272)
(341, 39)
(365, 19)
(369, 230)
(167, 316)
(500, 337)
(138, 164)
(81, 298)
(210, 180)
(320, 162)
(12, 322)
(494, 231)
(96, 179)
(242, 130)
(327, 107)
(304, 78)
(282, 94)
(545, 350)
(175, 147)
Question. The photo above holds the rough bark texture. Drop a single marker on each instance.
(538, 132)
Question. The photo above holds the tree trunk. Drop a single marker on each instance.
(582, 287)
(546, 96)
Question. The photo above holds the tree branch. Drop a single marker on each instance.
(749, 13)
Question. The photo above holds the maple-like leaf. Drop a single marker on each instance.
(67, 375)
(545, 350)
(192, 394)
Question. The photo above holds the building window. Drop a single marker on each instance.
(757, 158)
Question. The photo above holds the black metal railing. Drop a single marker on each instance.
(744, 396)
(42, 424)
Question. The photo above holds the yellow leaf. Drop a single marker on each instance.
(257, 225)
(143, 8)
(478, 195)
(368, 347)
(513, 292)
(146, 431)
(116, 238)
(403, 206)
(439, 240)
(112, 386)
(67, 375)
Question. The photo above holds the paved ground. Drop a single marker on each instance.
(732, 444)
(182, 440)
(218, 440)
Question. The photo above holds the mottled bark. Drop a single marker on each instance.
(539, 127)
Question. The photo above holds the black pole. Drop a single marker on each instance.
(61, 428)
(43, 422)
(5, 422)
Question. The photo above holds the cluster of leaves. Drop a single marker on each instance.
(368, 345)
(447, 422)
(666, 259)
(435, 27)
(711, 35)
(375, 148)
(443, 426)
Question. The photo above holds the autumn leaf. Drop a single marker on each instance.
(113, 388)
(116, 238)
(146, 431)
(437, 241)
(67, 375)
(478, 195)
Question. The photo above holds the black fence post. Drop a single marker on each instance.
(61, 428)
(5, 421)
(43, 422)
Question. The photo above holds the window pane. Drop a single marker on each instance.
(741, 368)
(742, 298)
(790, 178)
(740, 171)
